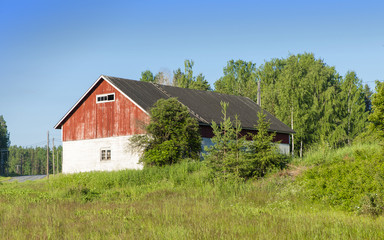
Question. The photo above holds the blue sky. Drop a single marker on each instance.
(52, 51)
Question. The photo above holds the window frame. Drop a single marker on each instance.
(104, 154)
(107, 96)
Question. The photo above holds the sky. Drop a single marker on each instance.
(51, 52)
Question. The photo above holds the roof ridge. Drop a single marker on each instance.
(169, 95)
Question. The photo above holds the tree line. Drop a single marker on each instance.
(33, 160)
(301, 90)
(17, 160)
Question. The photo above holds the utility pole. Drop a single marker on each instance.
(293, 140)
(53, 156)
(48, 154)
(21, 164)
(31, 163)
(57, 161)
(258, 93)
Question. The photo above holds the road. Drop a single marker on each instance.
(27, 178)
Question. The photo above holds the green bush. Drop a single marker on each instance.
(371, 204)
(232, 156)
(348, 180)
(172, 134)
(161, 154)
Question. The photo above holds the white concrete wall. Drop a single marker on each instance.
(283, 147)
(85, 155)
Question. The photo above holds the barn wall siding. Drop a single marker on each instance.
(93, 120)
(85, 155)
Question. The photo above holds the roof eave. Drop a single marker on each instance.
(61, 122)
(102, 77)
(245, 128)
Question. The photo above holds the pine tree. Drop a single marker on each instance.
(377, 116)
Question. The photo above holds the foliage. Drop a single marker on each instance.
(160, 77)
(172, 134)
(306, 94)
(231, 155)
(147, 76)
(372, 204)
(262, 152)
(239, 79)
(225, 157)
(350, 179)
(187, 80)
(5, 141)
(180, 79)
(377, 116)
(4, 145)
(163, 78)
(352, 108)
(33, 161)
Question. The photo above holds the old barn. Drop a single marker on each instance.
(96, 130)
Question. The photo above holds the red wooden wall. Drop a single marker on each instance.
(106, 119)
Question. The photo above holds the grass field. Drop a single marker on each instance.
(4, 178)
(177, 202)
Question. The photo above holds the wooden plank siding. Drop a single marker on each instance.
(105, 119)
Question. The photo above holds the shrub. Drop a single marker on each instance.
(347, 180)
(172, 134)
(231, 155)
(371, 204)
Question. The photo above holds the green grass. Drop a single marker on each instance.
(4, 178)
(177, 202)
(351, 178)
(323, 155)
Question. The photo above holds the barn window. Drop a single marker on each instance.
(105, 154)
(110, 97)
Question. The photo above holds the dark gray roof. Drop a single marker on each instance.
(203, 105)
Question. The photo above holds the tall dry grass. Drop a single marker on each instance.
(176, 202)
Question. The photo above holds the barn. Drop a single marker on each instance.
(96, 130)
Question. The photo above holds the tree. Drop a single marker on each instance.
(353, 100)
(200, 83)
(239, 79)
(4, 145)
(231, 155)
(33, 160)
(367, 98)
(172, 134)
(377, 116)
(160, 77)
(224, 156)
(187, 80)
(310, 96)
(163, 78)
(261, 151)
(147, 76)
(4, 134)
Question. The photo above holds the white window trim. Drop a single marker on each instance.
(101, 154)
(105, 95)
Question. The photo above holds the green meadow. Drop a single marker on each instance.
(327, 195)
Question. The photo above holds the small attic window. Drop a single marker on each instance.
(110, 97)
